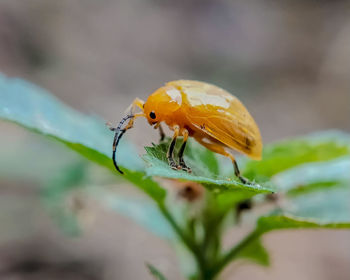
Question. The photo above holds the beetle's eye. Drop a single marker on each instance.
(152, 115)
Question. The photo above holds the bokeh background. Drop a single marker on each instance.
(288, 61)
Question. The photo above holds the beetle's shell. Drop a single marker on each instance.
(219, 115)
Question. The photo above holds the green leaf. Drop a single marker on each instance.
(318, 191)
(202, 172)
(256, 252)
(266, 224)
(155, 272)
(317, 195)
(309, 176)
(326, 206)
(287, 154)
(141, 210)
(16, 160)
(56, 196)
(331, 205)
(320, 200)
(34, 108)
(319, 205)
(278, 222)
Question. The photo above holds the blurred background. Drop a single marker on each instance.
(288, 61)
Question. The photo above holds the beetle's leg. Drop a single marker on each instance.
(181, 152)
(237, 172)
(161, 131)
(221, 150)
(131, 112)
(136, 103)
(131, 122)
(170, 153)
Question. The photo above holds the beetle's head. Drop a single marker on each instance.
(159, 106)
(162, 103)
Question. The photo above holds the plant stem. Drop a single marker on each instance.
(207, 270)
(188, 241)
(233, 252)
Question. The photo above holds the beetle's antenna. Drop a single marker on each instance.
(118, 135)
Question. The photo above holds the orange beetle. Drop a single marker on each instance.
(212, 116)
